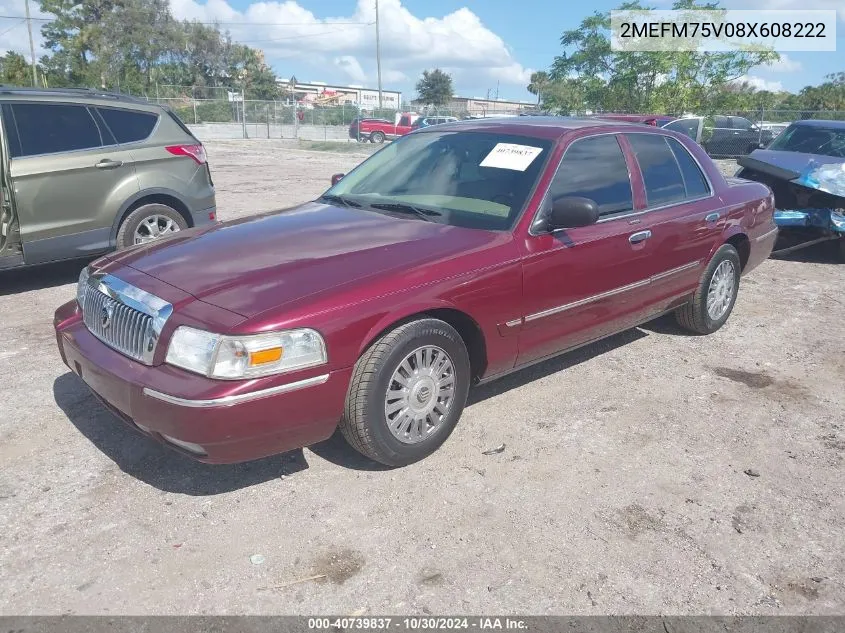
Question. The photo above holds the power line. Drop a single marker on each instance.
(14, 26)
(221, 23)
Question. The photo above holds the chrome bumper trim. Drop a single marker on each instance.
(766, 235)
(229, 401)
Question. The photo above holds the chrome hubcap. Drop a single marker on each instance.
(154, 227)
(420, 394)
(721, 290)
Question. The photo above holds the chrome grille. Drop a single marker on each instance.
(122, 316)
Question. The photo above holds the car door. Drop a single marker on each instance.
(680, 214)
(583, 283)
(69, 177)
(746, 137)
(720, 135)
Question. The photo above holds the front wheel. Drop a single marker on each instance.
(716, 294)
(407, 392)
(377, 137)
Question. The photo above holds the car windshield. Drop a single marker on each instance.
(479, 180)
(811, 139)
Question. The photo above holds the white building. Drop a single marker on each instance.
(319, 93)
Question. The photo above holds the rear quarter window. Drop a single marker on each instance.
(694, 181)
(128, 126)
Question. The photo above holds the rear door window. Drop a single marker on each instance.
(684, 126)
(50, 128)
(128, 126)
(595, 168)
(664, 183)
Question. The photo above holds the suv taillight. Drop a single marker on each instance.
(197, 152)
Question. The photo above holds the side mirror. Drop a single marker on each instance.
(571, 212)
(336, 179)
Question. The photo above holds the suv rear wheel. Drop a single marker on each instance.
(149, 222)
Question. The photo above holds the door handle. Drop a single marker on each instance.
(638, 237)
(711, 217)
(108, 164)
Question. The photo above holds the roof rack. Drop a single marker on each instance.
(102, 94)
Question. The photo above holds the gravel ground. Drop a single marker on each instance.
(651, 473)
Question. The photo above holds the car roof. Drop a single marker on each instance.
(550, 127)
(821, 123)
(75, 95)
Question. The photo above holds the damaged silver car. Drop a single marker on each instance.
(805, 168)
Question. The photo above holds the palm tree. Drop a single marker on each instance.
(539, 81)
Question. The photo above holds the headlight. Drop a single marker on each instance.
(80, 286)
(238, 357)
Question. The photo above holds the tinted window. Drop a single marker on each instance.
(11, 131)
(696, 184)
(811, 139)
(128, 126)
(685, 126)
(738, 123)
(595, 168)
(720, 121)
(46, 128)
(661, 174)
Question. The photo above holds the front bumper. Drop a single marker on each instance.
(209, 420)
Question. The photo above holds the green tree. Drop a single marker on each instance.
(15, 70)
(671, 81)
(539, 82)
(435, 87)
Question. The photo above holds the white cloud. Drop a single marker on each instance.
(409, 44)
(13, 32)
(293, 38)
(351, 67)
(794, 5)
(759, 83)
(784, 65)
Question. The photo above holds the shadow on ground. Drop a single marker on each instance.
(147, 460)
(143, 458)
(47, 276)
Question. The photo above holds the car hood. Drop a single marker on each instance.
(814, 171)
(793, 161)
(255, 264)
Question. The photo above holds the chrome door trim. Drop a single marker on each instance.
(228, 401)
(610, 293)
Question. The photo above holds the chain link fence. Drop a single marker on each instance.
(220, 113)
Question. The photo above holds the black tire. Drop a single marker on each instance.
(377, 137)
(694, 316)
(126, 232)
(365, 423)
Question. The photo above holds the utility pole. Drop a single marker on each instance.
(378, 58)
(31, 46)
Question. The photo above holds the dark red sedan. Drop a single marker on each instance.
(457, 254)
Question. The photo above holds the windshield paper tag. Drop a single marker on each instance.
(510, 156)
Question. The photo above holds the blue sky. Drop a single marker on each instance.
(481, 42)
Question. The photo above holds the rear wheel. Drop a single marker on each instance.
(408, 391)
(148, 223)
(714, 299)
(377, 137)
